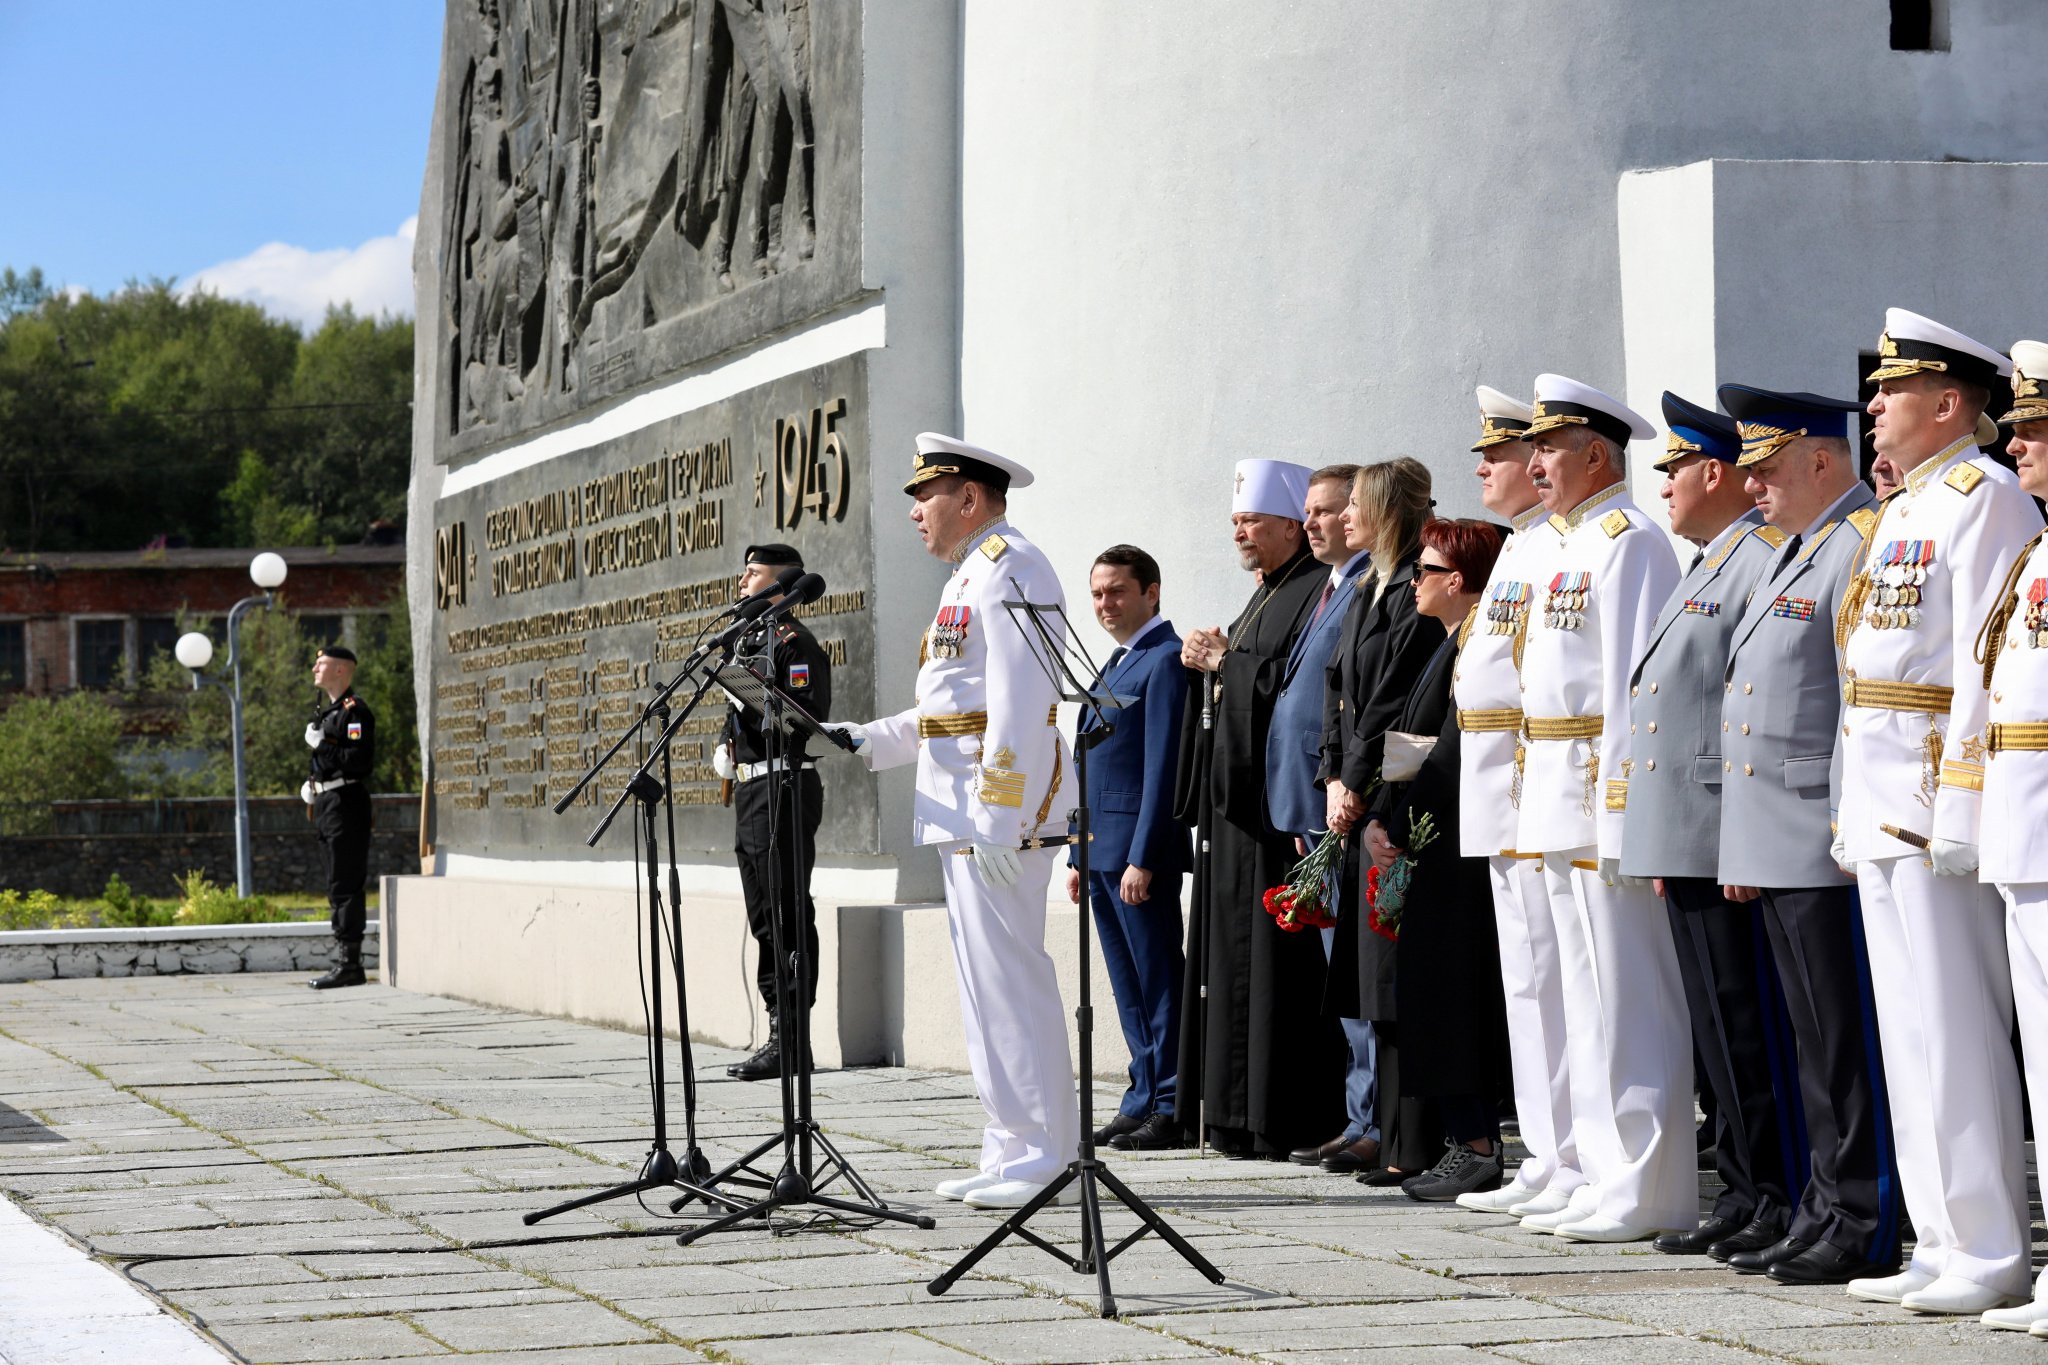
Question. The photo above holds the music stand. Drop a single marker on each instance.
(1075, 678)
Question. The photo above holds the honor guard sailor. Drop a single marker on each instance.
(2013, 647)
(1913, 746)
(1486, 686)
(1625, 1023)
(1672, 832)
(343, 738)
(1780, 713)
(993, 789)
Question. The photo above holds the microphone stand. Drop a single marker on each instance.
(1204, 890)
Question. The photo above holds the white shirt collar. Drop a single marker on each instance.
(1157, 623)
(1340, 572)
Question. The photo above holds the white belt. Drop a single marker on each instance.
(747, 772)
(337, 783)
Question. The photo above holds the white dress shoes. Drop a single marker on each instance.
(1541, 1204)
(1599, 1229)
(1015, 1194)
(2019, 1318)
(1496, 1201)
(1954, 1294)
(1552, 1221)
(1891, 1288)
(964, 1186)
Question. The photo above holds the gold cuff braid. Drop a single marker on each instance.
(1925, 698)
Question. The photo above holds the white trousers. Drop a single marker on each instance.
(1944, 1020)
(1628, 1041)
(1016, 1027)
(1533, 983)
(2026, 943)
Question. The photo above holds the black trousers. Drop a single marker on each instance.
(342, 819)
(1745, 1044)
(1852, 1198)
(795, 801)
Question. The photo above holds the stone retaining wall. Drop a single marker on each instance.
(39, 955)
(78, 864)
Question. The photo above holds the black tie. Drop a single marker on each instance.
(1697, 556)
(1791, 549)
(1115, 657)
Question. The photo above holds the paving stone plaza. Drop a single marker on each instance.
(341, 1177)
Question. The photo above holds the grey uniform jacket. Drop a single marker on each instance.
(1672, 825)
(1783, 709)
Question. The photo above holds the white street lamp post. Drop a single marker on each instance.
(195, 651)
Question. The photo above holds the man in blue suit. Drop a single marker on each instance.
(1139, 852)
(1295, 802)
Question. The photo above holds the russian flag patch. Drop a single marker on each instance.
(355, 729)
(799, 675)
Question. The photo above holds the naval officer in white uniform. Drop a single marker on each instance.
(1486, 685)
(1912, 751)
(1625, 1019)
(2014, 647)
(993, 780)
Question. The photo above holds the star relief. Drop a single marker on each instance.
(760, 480)
(1973, 750)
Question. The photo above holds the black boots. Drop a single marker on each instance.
(763, 1064)
(347, 972)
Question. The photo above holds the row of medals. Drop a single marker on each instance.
(1504, 614)
(1565, 610)
(1898, 596)
(2035, 633)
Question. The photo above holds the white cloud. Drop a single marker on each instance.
(296, 283)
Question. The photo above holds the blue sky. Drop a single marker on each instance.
(147, 138)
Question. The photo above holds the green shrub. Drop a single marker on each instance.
(36, 910)
(201, 902)
(122, 908)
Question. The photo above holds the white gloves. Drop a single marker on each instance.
(722, 764)
(999, 866)
(1839, 850)
(306, 792)
(313, 737)
(1953, 857)
(859, 735)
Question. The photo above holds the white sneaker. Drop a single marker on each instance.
(2039, 1329)
(1495, 1201)
(1542, 1203)
(1552, 1221)
(964, 1186)
(1600, 1229)
(1891, 1288)
(1015, 1194)
(2020, 1318)
(1954, 1294)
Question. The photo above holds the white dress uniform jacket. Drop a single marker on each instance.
(2016, 746)
(991, 767)
(1914, 758)
(1487, 688)
(1597, 598)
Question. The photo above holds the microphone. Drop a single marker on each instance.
(746, 612)
(806, 589)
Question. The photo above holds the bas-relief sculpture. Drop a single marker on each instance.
(633, 185)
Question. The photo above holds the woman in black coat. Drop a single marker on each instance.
(1453, 1020)
(1382, 649)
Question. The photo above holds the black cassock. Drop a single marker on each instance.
(1261, 1052)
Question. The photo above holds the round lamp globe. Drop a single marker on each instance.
(194, 651)
(267, 570)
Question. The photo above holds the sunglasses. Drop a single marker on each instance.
(1434, 568)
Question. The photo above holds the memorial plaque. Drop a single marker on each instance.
(628, 186)
(565, 593)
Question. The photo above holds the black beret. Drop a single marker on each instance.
(341, 652)
(774, 555)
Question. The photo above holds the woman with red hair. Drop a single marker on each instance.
(1447, 985)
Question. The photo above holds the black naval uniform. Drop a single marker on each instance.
(803, 672)
(341, 811)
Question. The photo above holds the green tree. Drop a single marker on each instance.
(384, 681)
(352, 396)
(59, 749)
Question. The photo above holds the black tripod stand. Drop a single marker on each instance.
(810, 1161)
(1075, 678)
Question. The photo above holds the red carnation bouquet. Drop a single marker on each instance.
(1386, 891)
(1308, 898)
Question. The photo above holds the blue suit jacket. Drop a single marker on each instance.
(1131, 773)
(1294, 743)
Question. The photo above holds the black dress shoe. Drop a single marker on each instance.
(1825, 1263)
(1155, 1134)
(1384, 1178)
(1352, 1158)
(345, 974)
(1122, 1123)
(1756, 1234)
(766, 1062)
(1759, 1262)
(1696, 1242)
(1316, 1155)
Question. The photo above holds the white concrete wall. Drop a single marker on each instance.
(1197, 230)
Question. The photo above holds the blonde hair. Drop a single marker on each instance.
(1393, 498)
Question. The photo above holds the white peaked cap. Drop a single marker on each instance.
(1565, 402)
(939, 454)
(1270, 488)
(1494, 403)
(2029, 383)
(1912, 343)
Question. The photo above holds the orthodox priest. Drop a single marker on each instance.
(1260, 1065)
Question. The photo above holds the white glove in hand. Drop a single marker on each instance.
(1839, 851)
(306, 792)
(722, 764)
(998, 866)
(1953, 858)
(1610, 871)
(313, 737)
(857, 733)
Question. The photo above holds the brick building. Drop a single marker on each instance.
(93, 619)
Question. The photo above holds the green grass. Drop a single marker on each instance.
(120, 908)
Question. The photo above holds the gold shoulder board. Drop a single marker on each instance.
(1964, 478)
(994, 546)
(1614, 523)
(1559, 524)
(1864, 519)
(1771, 536)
